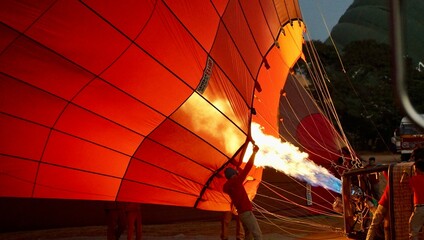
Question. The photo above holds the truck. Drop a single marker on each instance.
(407, 137)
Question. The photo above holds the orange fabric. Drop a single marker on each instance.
(143, 101)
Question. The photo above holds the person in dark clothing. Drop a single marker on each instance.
(116, 222)
(235, 189)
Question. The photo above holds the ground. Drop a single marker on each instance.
(186, 230)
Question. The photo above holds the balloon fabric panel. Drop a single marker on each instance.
(24, 101)
(28, 12)
(68, 25)
(27, 61)
(21, 175)
(172, 46)
(85, 125)
(59, 182)
(256, 22)
(240, 33)
(140, 192)
(137, 14)
(22, 138)
(117, 106)
(69, 151)
(199, 17)
(182, 141)
(142, 78)
(167, 160)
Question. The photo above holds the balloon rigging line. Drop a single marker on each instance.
(333, 106)
(314, 224)
(318, 67)
(324, 89)
(352, 87)
(273, 222)
(317, 224)
(321, 86)
(295, 206)
(268, 186)
(330, 37)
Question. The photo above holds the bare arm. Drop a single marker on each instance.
(249, 163)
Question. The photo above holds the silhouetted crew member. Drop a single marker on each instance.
(235, 189)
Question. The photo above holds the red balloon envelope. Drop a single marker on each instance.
(146, 101)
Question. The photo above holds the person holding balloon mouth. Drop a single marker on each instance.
(235, 189)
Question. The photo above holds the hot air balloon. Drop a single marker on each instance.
(145, 101)
(149, 101)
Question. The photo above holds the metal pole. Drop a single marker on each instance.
(399, 64)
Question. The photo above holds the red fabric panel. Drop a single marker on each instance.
(117, 106)
(83, 124)
(167, 160)
(65, 150)
(59, 182)
(20, 174)
(136, 14)
(170, 44)
(148, 173)
(23, 101)
(20, 138)
(28, 11)
(69, 25)
(189, 145)
(38, 66)
(8, 35)
(233, 66)
(262, 35)
(199, 17)
(142, 77)
(242, 35)
(131, 191)
(271, 16)
(220, 5)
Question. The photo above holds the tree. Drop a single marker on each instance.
(363, 92)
